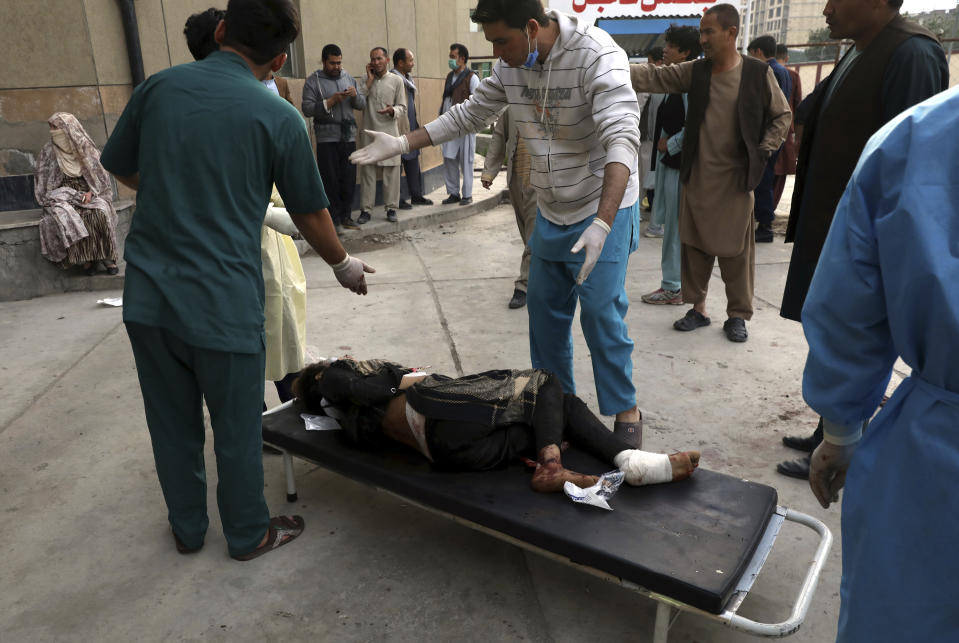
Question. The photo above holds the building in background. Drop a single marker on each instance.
(636, 26)
(72, 56)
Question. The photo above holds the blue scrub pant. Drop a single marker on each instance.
(175, 379)
(551, 303)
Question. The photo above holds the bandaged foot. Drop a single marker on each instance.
(643, 467)
(550, 476)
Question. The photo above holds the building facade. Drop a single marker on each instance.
(72, 56)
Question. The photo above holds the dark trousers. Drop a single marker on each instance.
(473, 446)
(175, 379)
(339, 177)
(414, 178)
(765, 207)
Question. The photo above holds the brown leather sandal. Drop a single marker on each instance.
(282, 530)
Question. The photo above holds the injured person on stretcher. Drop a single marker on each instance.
(477, 422)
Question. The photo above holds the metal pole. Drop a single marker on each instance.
(132, 32)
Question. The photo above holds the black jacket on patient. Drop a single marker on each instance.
(362, 390)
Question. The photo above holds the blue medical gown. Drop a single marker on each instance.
(887, 285)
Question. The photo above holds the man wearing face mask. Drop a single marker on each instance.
(458, 153)
(567, 86)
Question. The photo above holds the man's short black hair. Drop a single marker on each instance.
(684, 38)
(894, 4)
(331, 50)
(386, 54)
(461, 51)
(765, 44)
(261, 29)
(399, 55)
(656, 54)
(199, 31)
(515, 13)
(782, 51)
(726, 14)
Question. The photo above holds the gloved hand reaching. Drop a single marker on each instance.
(381, 147)
(351, 274)
(827, 470)
(279, 219)
(593, 239)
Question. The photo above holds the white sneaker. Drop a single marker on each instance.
(653, 231)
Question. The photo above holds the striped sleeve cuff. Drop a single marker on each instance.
(622, 152)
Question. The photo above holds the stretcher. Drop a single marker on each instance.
(693, 546)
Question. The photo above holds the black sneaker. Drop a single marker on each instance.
(405, 205)
(419, 200)
(391, 216)
(350, 224)
(451, 199)
(466, 201)
(363, 218)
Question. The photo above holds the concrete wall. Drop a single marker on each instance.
(78, 58)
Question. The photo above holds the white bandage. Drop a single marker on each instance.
(643, 467)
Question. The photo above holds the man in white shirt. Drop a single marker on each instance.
(567, 85)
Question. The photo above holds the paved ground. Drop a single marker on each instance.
(89, 554)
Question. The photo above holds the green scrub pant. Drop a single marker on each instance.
(175, 378)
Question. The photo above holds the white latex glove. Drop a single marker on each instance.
(382, 147)
(827, 470)
(279, 219)
(351, 273)
(593, 239)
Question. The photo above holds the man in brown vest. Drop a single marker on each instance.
(737, 117)
(458, 154)
(893, 65)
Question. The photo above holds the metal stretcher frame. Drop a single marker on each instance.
(665, 616)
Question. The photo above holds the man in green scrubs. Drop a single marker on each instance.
(203, 144)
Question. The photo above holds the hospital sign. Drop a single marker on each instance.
(591, 10)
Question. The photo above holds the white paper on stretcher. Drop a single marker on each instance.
(320, 422)
(599, 494)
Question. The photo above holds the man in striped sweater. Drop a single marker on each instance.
(567, 85)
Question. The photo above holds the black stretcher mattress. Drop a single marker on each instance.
(689, 540)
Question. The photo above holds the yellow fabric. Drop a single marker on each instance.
(67, 157)
(285, 305)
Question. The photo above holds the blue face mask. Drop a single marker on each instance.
(453, 64)
(533, 54)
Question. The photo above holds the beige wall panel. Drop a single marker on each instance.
(433, 46)
(176, 12)
(24, 113)
(114, 99)
(50, 36)
(431, 96)
(108, 42)
(153, 35)
(355, 25)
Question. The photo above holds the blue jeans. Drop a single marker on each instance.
(551, 303)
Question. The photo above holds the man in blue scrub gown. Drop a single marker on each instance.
(894, 242)
(203, 145)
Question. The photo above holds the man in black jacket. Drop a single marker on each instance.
(893, 65)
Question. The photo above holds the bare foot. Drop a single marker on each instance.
(683, 464)
(550, 475)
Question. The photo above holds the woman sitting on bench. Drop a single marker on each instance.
(478, 422)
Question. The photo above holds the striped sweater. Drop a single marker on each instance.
(577, 112)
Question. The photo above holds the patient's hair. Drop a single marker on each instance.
(261, 29)
(306, 387)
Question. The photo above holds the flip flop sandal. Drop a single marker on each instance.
(112, 268)
(692, 321)
(282, 530)
(181, 546)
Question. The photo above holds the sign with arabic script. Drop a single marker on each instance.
(590, 10)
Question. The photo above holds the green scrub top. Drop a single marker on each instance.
(208, 141)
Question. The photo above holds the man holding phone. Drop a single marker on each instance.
(330, 96)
